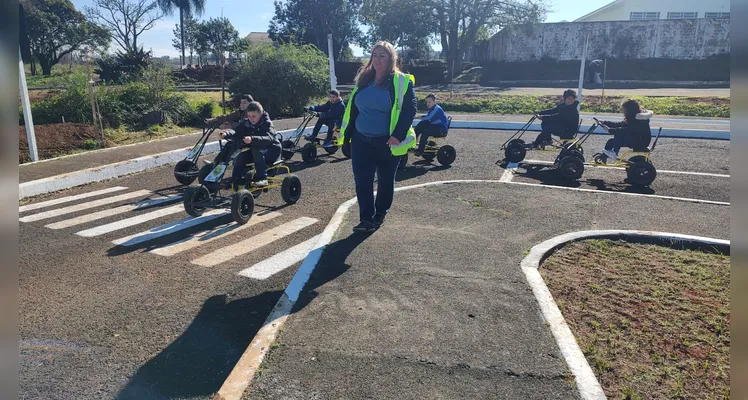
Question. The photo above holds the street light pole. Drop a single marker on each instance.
(26, 104)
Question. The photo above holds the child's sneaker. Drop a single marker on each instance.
(263, 182)
(328, 143)
(612, 156)
(309, 138)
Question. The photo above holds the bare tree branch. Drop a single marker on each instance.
(125, 19)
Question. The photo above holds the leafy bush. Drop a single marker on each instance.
(283, 79)
(123, 67)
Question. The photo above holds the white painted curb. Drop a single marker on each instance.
(587, 384)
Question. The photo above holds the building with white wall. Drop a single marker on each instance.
(639, 10)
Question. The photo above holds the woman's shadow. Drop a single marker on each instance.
(198, 362)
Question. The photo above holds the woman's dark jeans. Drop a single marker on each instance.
(370, 155)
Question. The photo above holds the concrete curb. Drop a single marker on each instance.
(587, 384)
(97, 174)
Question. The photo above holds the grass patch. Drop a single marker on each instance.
(653, 322)
(526, 104)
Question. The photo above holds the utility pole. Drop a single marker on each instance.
(331, 57)
(581, 70)
(26, 104)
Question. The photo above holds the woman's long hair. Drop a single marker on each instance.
(367, 74)
(631, 107)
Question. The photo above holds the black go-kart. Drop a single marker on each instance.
(308, 151)
(186, 171)
(437, 147)
(515, 148)
(237, 194)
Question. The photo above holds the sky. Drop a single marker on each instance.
(255, 15)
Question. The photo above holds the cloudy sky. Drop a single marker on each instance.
(254, 16)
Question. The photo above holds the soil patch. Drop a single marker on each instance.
(53, 140)
(653, 322)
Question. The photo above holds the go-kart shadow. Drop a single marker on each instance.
(546, 176)
(623, 187)
(417, 169)
(198, 362)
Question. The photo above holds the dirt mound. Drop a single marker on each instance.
(57, 139)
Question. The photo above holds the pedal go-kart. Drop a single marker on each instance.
(309, 150)
(216, 192)
(515, 149)
(639, 168)
(186, 171)
(437, 147)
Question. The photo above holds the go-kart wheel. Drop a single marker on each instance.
(403, 161)
(286, 154)
(446, 155)
(291, 189)
(309, 153)
(600, 158)
(204, 171)
(185, 172)
(641, 173)
(242, 206)
(515, 151)
(571, 168)
(287, 144)
(346, 149)
(429, 156)
(195, 194)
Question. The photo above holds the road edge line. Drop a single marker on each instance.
(587, 384)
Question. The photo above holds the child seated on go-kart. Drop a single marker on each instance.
(433, 124)
(561, 120)
(329, 113)
(258, 133)
(235, 117)
(633, 131)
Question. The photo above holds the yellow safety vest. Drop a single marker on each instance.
(401, 85)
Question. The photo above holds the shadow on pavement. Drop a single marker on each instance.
(416, 169)
(199, 361)
(547, 176)
(624, 187)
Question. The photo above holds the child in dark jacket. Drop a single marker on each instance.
(633, 131)
(432, 124)
(258, 133)
(329, 114)
(562, 120)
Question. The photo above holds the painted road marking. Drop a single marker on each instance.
(68, 199)
(210, 235)
(277, 263)
(168, 229)
(509, 171)
(664, 171)
(112, 211)
(255, 242)
(126, 223)
(83, 206)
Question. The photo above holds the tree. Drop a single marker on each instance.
(56, 29)
(459, 21)
(309, 22)
(186, 8)
(189, 39)
(398, 21)
(125, 19)
(219, 35)
(417, 49)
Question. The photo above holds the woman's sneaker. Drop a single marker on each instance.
(365, 227)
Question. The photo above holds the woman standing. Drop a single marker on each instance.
(378, 119)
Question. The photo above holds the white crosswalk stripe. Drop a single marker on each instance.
(277, 263)
(169, 229)
(84, 206)
(255, 242)
(210, 235)
(68, 199)
(126, 223)
(111, 212)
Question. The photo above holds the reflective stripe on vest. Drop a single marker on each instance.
(400, 82)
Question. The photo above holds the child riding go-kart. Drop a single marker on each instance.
(309, 150)
(432, 131)
(561, 120)
(251, 174)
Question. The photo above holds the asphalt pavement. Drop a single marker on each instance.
(123, 296)
(434, 304)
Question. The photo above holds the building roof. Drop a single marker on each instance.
(259, 37)
(609, 6)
